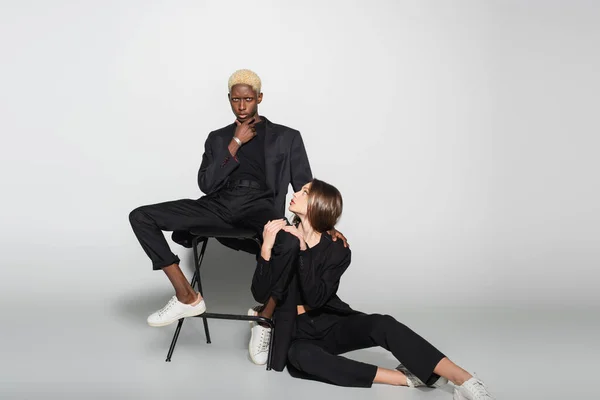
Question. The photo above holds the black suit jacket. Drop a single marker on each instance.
(285, 161)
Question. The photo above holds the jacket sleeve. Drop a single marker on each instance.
(299, 165)
(261, 281)
(319, 282)
(272, 278)
(217, 164)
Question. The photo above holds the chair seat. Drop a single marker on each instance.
(230, 233)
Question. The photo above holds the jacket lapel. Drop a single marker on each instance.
(271, 138)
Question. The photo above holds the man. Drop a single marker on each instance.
(245, 172)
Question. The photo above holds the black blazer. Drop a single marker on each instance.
(285, 161)
(315, 284)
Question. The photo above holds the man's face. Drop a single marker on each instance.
(244, 102)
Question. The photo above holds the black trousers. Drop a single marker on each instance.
(237, 207)
(321, 337)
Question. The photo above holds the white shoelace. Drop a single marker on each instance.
(166, 308)
(479, 389)
(265, 335)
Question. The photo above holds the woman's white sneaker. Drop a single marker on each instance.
(473, 389)
(175, 310)
(258, 348)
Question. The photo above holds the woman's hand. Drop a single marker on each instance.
(335, 235)
(269, 234)
(294, 231)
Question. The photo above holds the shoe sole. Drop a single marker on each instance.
(458, 395)
(191, 313)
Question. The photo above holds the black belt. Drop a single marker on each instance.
(244, 183)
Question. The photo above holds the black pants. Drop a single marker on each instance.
(321, 337)
(238, 207)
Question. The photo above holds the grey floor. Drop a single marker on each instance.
(96, 345)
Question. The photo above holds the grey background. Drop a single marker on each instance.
(463, 136)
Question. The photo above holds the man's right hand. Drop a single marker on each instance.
(245, 131)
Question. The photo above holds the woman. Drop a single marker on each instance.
(325, 326)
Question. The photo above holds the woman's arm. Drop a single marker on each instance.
(262, 281)
(320, 278)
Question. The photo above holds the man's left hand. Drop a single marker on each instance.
(335, 235)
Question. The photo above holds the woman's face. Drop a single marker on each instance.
(299, 203)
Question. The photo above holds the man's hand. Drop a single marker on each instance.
(245, 131)
(269, 234)
(294, 231)
(335, 235)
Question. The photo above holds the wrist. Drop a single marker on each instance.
(265, 253)
(233, 148)
(237, 141)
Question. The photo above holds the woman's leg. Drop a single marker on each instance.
(381, 326)
(452, 372)
(315, 362)
(390, 377)
(320, 359)
(419, 357)
(363, 331)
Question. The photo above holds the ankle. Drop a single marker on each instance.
(459, 380)
(264, 325)
(189, 298)
(390, 377)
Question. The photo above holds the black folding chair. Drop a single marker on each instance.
(201, 236)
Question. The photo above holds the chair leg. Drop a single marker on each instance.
(197, 263)
(196, 281)
(174, 341)
(271, 341)
(206, 332)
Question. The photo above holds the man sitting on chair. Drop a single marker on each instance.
(246, 169)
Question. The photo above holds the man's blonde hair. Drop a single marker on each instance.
(245, 77)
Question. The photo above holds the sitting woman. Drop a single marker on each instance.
(324, 326)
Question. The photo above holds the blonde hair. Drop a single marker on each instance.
(245, 77)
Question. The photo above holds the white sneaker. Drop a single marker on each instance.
(473, 389)
(175, 310)
(259, 341)
(413, 381)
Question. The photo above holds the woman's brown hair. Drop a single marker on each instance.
(324, 206)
